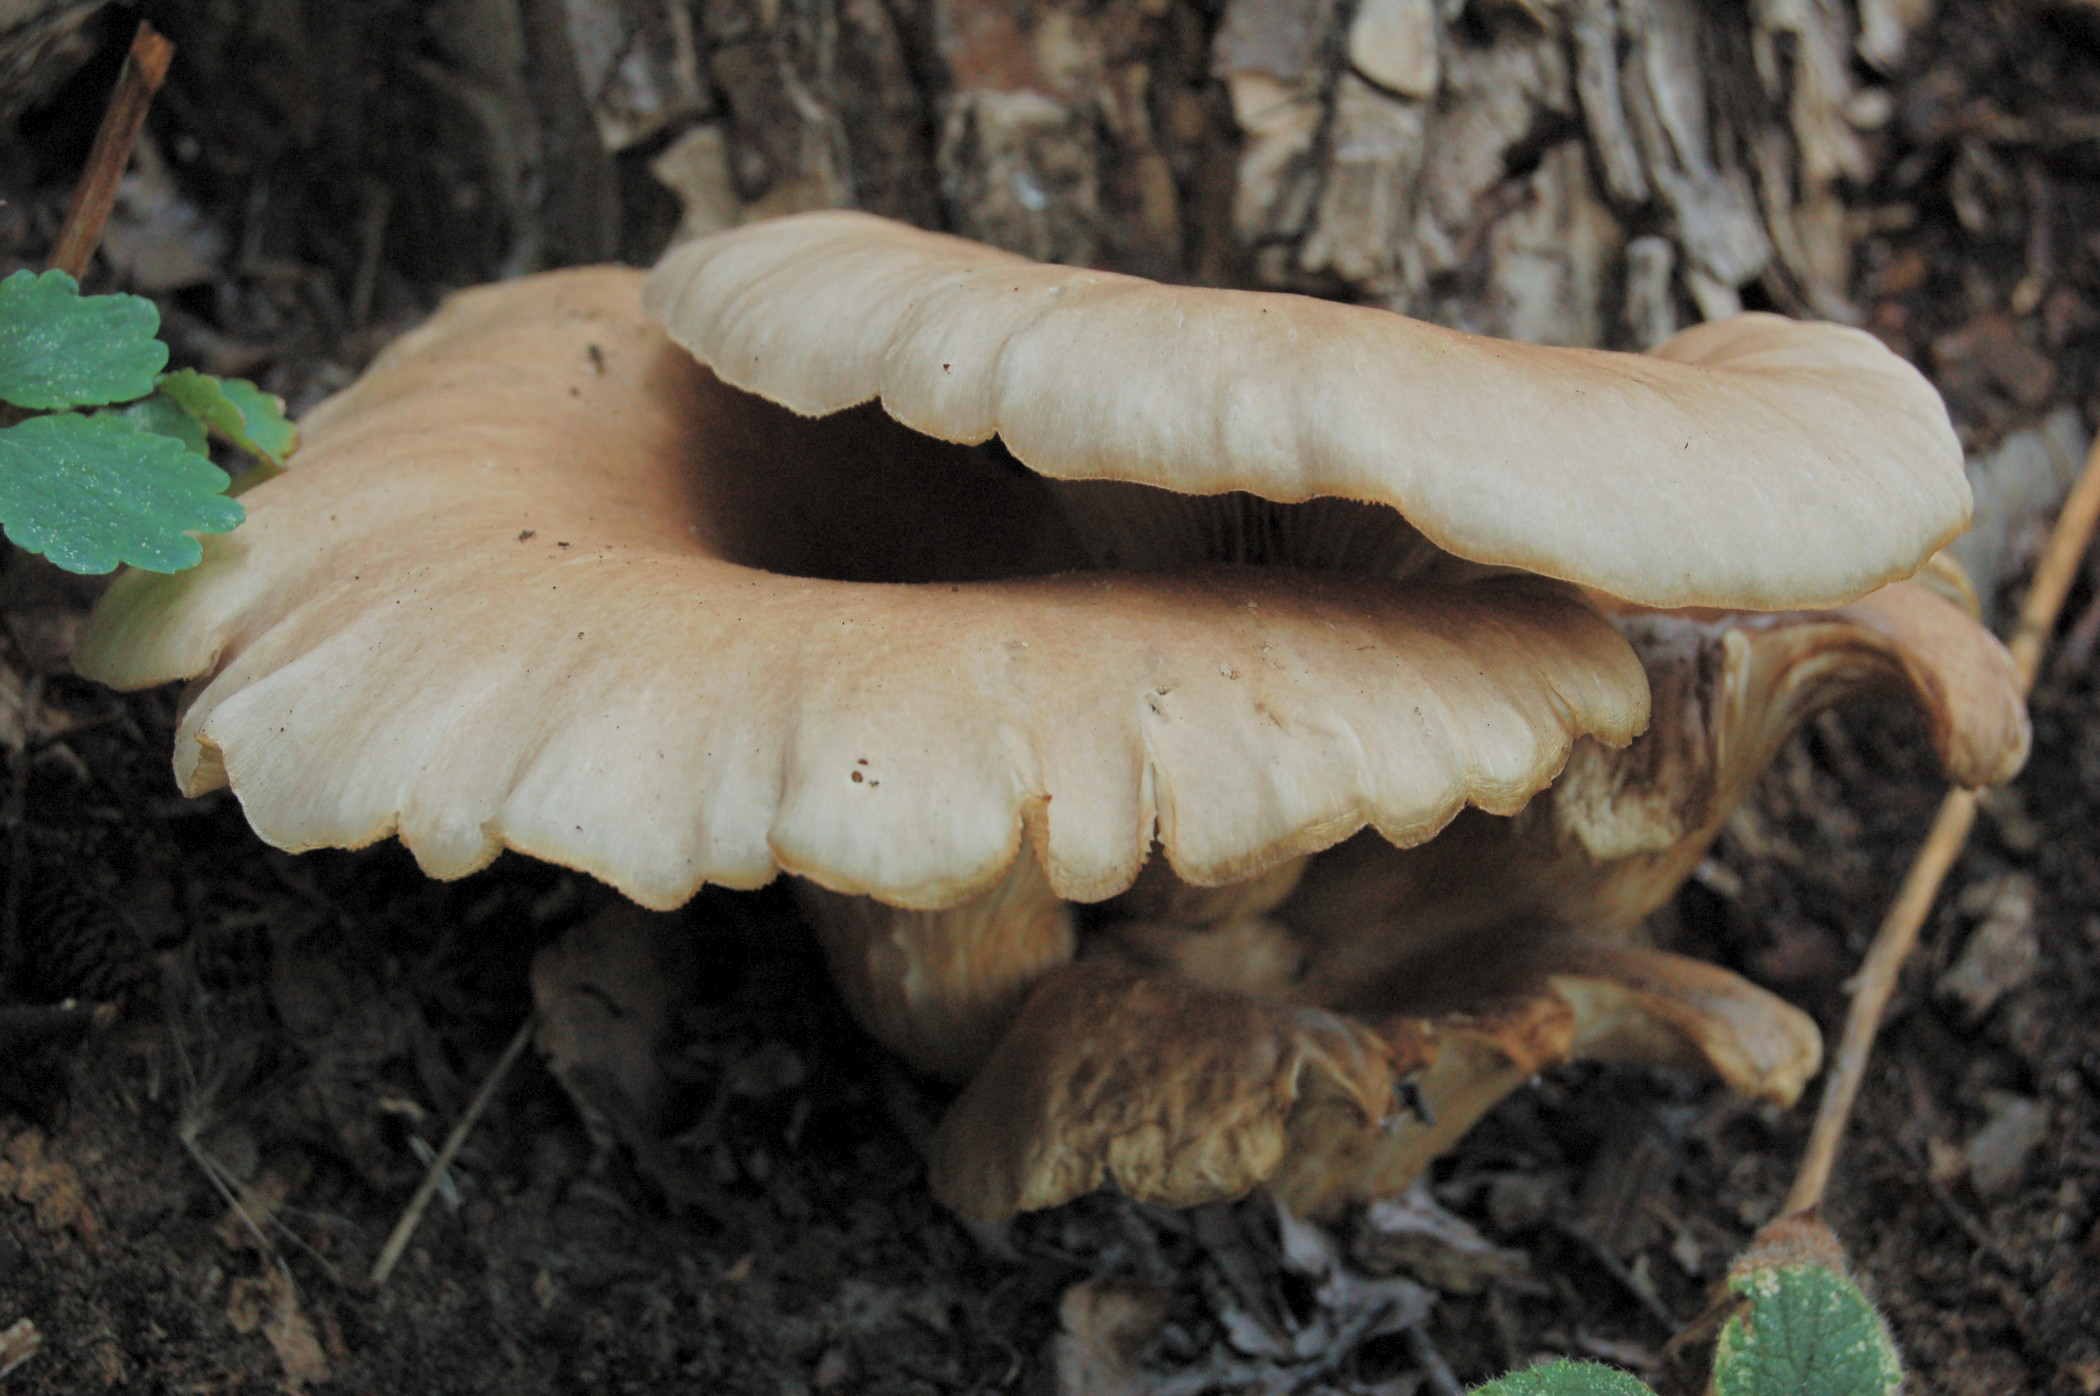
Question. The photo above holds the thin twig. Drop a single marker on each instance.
(1609, 1262)
(24, 1026)
(15, 814)
(1975, 1230)
(390, 1254)
(224, 1184)
(1899, 932)
(144, 68)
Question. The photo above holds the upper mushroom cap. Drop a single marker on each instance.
(1753, 463)
(527, 587)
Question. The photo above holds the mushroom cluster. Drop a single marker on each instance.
(1236, 737)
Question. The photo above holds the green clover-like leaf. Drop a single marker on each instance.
(92, 492)
(244, 414)
(59, 348)
(1808, 1332)
(164, 415)
(1566, 1378)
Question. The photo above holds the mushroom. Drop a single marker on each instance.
(1073, 775)
(1390, 940)
(533, 587)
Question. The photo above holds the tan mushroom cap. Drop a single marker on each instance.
(505, 599)
(1752, 463)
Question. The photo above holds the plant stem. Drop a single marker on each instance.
(144, 68)
(1899, 932)
(397, 1242)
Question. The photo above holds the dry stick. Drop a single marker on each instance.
(144, 68)
(93, 197)
(390, 1253)
(1876, 981)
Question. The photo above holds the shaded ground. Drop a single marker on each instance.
(299, 1033)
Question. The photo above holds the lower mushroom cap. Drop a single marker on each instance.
(1222, 1039)
(523, 589)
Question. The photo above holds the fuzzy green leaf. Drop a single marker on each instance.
(92, 492)
(1566, 1378)
(59, 348)
(244, 414)
(1808, 1332)
(163, 415)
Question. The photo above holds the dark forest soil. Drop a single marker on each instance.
(194, 1183)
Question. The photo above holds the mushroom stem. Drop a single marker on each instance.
(1591, 1000)
(1177, 1093)
(1180, 1093)
(939, 987)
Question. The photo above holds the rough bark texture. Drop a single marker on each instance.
(1594, 171)
(1599, 171)
(41, 43)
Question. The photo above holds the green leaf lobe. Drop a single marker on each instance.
(1564, 1378)
(59, 348)
(1808, 1332)
(93, 492)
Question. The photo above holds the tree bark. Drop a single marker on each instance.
(1596, 171)
(42, 42)
(1572, 171)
